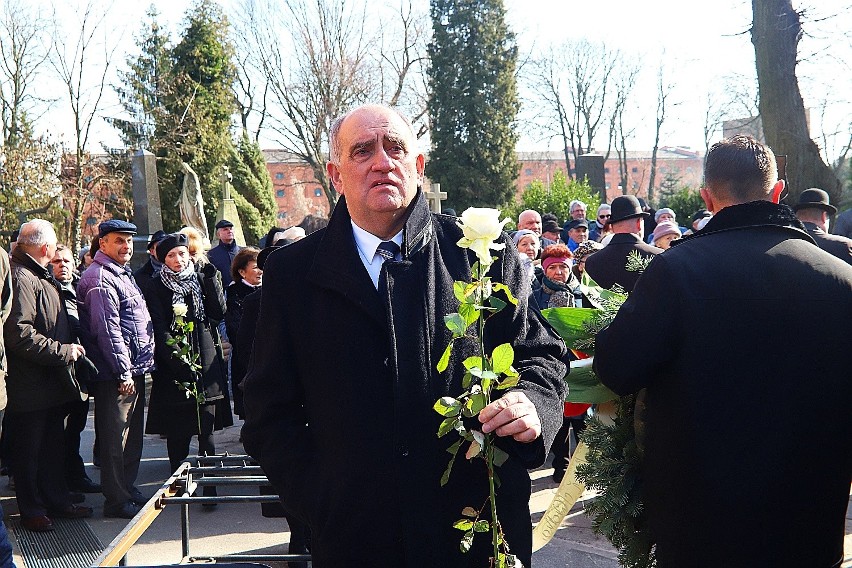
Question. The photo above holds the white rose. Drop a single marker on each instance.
(481, 227)
(179, 310)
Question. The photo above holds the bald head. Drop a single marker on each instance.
(531, 221)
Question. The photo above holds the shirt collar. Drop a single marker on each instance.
(367, 243)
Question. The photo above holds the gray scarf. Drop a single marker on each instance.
(182, 284)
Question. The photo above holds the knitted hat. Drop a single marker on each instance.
(169, 242)
(554, 260)
(660, 213)
(666, 228)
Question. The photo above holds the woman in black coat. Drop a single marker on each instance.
(246, 277)
(172, 411)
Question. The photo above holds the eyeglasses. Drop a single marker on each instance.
(604, 216)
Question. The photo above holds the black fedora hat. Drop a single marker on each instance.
(815, 198)
(626, 207)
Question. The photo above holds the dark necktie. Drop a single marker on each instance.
(388, 250)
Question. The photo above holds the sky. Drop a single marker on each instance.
(701, 44)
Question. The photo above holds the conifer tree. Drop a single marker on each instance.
(473, 102)
(252, 189)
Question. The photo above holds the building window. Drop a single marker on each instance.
(528, 172)
(635, 185)
(318, 192)
(634, 170)
(92, 221)
(282, 214)
(606, 170)
(606, 185)
(279, 193)
(279, 175)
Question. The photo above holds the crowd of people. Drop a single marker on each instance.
(337, 391)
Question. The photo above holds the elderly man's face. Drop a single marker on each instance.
(118, 246)
(578, 212)
(531, 221)
(579, 234)
(63, 265)
(379, 169)
(225, 234)
(604, 216)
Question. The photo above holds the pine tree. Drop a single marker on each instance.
(198, 110)
(252, 189)
(142, 89)
(473, 102)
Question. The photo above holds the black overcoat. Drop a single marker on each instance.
(169, 410)
(748, 444)
(339, 396)
(838, 245)
(607, 267)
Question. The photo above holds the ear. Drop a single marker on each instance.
(334, 174)
(775, 195)
(708, 199)
(421, 167)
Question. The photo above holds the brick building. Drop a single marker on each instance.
(298, 193)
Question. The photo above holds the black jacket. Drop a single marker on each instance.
(222, 256)
(340, 392)
(751, 329)
(608, 266)
(839, 246)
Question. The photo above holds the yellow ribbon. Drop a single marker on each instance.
(566, 495)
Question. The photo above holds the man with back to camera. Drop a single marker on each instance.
(116, 327)
(608, 266)
(346, 469)
(729, 478)
(814, 210)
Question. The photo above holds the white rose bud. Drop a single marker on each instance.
(180, 310)
(481, 227)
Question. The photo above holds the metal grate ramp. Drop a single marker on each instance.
(72, 544)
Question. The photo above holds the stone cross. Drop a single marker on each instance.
(435, 196)
(228, 209)
(147, 213)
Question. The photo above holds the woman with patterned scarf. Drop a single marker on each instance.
(557, 284)
(172, 410)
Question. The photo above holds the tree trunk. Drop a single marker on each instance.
(775, 33)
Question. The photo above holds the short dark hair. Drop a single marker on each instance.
(241, 260)
(741, 168)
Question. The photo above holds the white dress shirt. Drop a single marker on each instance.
(367, 243)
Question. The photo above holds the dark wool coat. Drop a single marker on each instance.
(170, 411)
(222, 256)
(607, 267)
(839, 246)
(38, 338)
(241, 340)
(754, 331)
(5, 307)
(340, 392)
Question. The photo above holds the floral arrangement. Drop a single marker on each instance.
(485, 374)
(183, 351)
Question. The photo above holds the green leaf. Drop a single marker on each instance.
(470, 512)
(447, 406)
(459, 290)
(190, 325)
(447, 426)
(481, 526)
(453, 450)
(508, 382)
(456, 324)
(469, 314)
(496, 303)
(466, 542)
(466, 380)
(472, 362)
(499, 456)
(571, 323)
(463, 524)
(444, 361)
(499, 286)
(170, 341)
(475, 403)
(502, 358)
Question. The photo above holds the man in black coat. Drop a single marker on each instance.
(731, 477)
(813, 210)
(608, 266)
(339, 395)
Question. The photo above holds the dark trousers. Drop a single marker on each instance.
(120, 419)
(562, 442)
(5, 545)
(178, 445)
(36, 442)
(78, 413)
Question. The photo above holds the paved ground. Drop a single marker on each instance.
(240, 528)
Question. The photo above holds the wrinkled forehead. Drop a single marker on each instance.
(376, 123)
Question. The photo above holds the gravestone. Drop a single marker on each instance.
(228, 210)
(592, 166)
(147, 213)
(435, 196)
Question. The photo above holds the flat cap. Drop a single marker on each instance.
(577, 223)
(224, 223)
(156, 238)
(115, 226)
